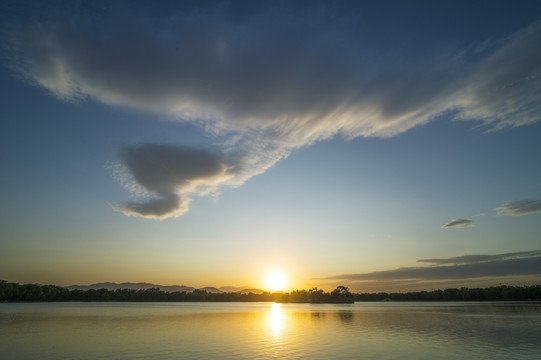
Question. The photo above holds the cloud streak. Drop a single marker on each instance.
(519, 208)
(498, 266)
(468, 259)
(266, 84)
(458, 223)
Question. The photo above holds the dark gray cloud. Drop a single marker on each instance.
(519, 208)
(268, 82)
(277, 71)
(166, 206)
(467, 259)
(169, 174)
(496, 268)
(162, 168)
(458, 223)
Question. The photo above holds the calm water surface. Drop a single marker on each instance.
(270, 331)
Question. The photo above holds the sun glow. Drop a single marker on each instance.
(276, 281)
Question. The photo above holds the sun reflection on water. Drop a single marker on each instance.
(276, 320)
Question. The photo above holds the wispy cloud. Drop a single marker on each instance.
(270, 82)
(519, 208)
(529, 263)
(458, 223)
(478, 215)
(468, 259)
(503, 84)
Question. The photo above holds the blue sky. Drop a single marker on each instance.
(209, 144)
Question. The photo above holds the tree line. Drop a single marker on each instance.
(33, 292)
(493, 293)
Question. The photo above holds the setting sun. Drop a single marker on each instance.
(276, 281)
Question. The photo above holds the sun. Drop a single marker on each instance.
(276, 281)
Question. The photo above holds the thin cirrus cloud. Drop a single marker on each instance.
(458, 223)
(465, 267)
(468, 259)
(519, 208)
(265, 85)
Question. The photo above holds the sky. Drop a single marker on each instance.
(378, 145)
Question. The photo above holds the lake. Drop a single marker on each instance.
(368, 330)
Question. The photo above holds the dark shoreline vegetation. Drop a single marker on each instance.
(14, 292)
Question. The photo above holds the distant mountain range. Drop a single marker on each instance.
(253, 291)
(167, 288)
(234, 288)
(211, 289)
(134, 286)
